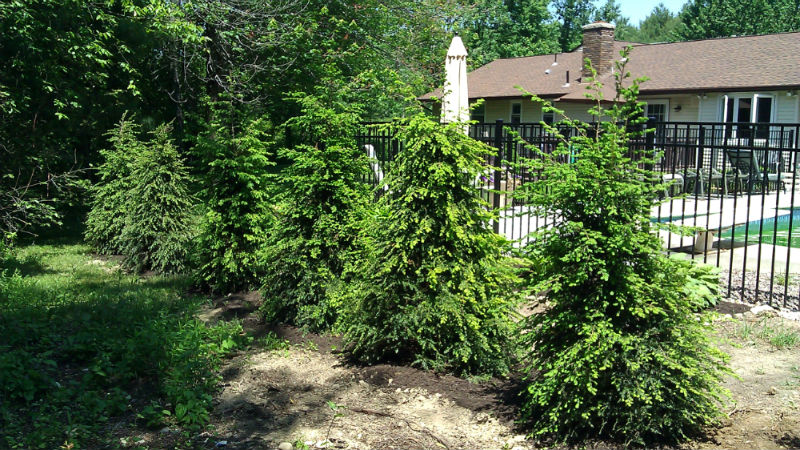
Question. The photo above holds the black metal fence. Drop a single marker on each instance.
(735, 184)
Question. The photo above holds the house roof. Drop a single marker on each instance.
(725, 64)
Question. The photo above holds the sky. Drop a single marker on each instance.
(637, 10)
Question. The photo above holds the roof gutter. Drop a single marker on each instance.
(781, 87)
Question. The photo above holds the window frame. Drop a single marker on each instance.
(730, 130)
(479, 111)
(657, 101)
(552, 117)
(511, 112)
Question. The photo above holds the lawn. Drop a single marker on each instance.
(83, 344)
(91, 357)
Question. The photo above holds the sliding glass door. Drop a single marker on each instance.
(748, 117)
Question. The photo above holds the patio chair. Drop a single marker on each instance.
(749, 173)
(700, 181)
(673, 183)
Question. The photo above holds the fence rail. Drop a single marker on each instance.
(736, 183)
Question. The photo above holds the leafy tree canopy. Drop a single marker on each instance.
(703, 19)
(659, 26)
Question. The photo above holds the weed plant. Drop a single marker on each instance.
(775, 331)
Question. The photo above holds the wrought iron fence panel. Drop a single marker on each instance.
(733, 185)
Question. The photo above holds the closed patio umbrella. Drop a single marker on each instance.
(455, 104)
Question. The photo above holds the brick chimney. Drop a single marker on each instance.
(598, 46)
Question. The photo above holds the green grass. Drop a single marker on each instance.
(771, 330)
(82, 344)
(781, 279)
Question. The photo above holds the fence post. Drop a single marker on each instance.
(649, 144)
(498, 144)
(701, 140)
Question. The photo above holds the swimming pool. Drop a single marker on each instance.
(782, 234)
(668, 219)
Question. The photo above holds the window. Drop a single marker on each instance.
(548, 117)
(478, 113)
(740, 110)
(763, 114)
(516, 112)
(658, 110)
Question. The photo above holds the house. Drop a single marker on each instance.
(737, 79)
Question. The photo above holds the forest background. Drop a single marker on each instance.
(72, 68)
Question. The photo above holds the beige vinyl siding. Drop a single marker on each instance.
(786, 111)
(576, 110)
(689, 107)
(501, 109)
(710, 108)
(531, 112)
(497, 109)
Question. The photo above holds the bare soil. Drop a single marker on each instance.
(764, 412)
(308, 395)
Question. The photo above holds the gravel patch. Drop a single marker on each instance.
(779, 297)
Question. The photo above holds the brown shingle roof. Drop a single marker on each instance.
(726, 64)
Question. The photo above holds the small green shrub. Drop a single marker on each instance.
(236, 195)
(158, 209)
(702, 283)
(6, 244)
(619, 351)
(141, 207)
(322, 197)
(433, 287)
(108, 213)
(271, 342)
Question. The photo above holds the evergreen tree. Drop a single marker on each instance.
(158, 224)
(659, 26)
(106, 218)
(322, 196)
(237, 154)
(434, 286)
(619, 350)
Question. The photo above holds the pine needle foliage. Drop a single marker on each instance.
(236, 193)
(106, 218)
(619, 352)
(159, 208)
(322, 197)
(434, 287)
